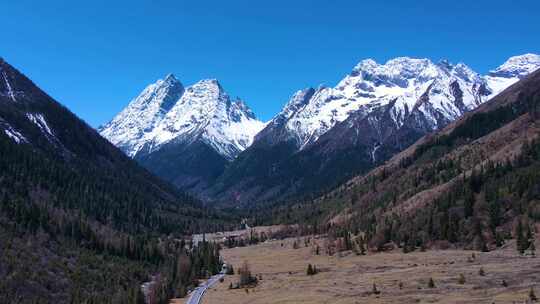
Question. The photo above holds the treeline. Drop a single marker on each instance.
(73, 231)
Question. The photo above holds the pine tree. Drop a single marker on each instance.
(431, 283)
(230, 270)
(362, 245)
(309, 270)
(532, 295)
(520, 240)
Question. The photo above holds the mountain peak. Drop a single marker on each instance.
(405, 60)
(445, 63)
(396, 69)
(518, 66)
(208, 82)
(298, 100)
(143, 113)
(238, 105)
(366, 64)
(165, 112)
(170, 78)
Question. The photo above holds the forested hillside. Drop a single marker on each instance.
(474, 184)
(79, 221)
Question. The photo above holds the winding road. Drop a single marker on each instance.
(198, 293)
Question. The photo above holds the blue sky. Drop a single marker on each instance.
(95, 56)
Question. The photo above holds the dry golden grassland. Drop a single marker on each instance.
(348, 278)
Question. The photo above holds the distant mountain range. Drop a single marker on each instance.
(215, 148)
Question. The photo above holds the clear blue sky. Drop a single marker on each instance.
(95, 56)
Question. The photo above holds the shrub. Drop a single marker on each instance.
(246, 278)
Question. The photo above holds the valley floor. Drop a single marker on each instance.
(348, 278)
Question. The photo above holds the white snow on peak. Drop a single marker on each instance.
(205, 109)
(130, 128)
(165, 111)
(510, 72)
(404, 83)
(518, 66)
(401, 80)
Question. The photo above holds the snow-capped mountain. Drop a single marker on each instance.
(207, 111)
(449, 89)
(165, 112)
(130, 129)
(185, 135)
(324, 135)
(514, 69)
(207, 143)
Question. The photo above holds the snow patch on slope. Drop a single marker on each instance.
(10, 92)
(12, 133)
(40, 121)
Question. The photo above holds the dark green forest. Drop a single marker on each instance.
(88, 236)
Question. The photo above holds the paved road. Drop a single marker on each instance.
(198, 293)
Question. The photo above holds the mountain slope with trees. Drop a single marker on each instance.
(473, 184)
(80, 222)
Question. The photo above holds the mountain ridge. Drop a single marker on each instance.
(466, 186)
(373, 113)
(324, 133)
